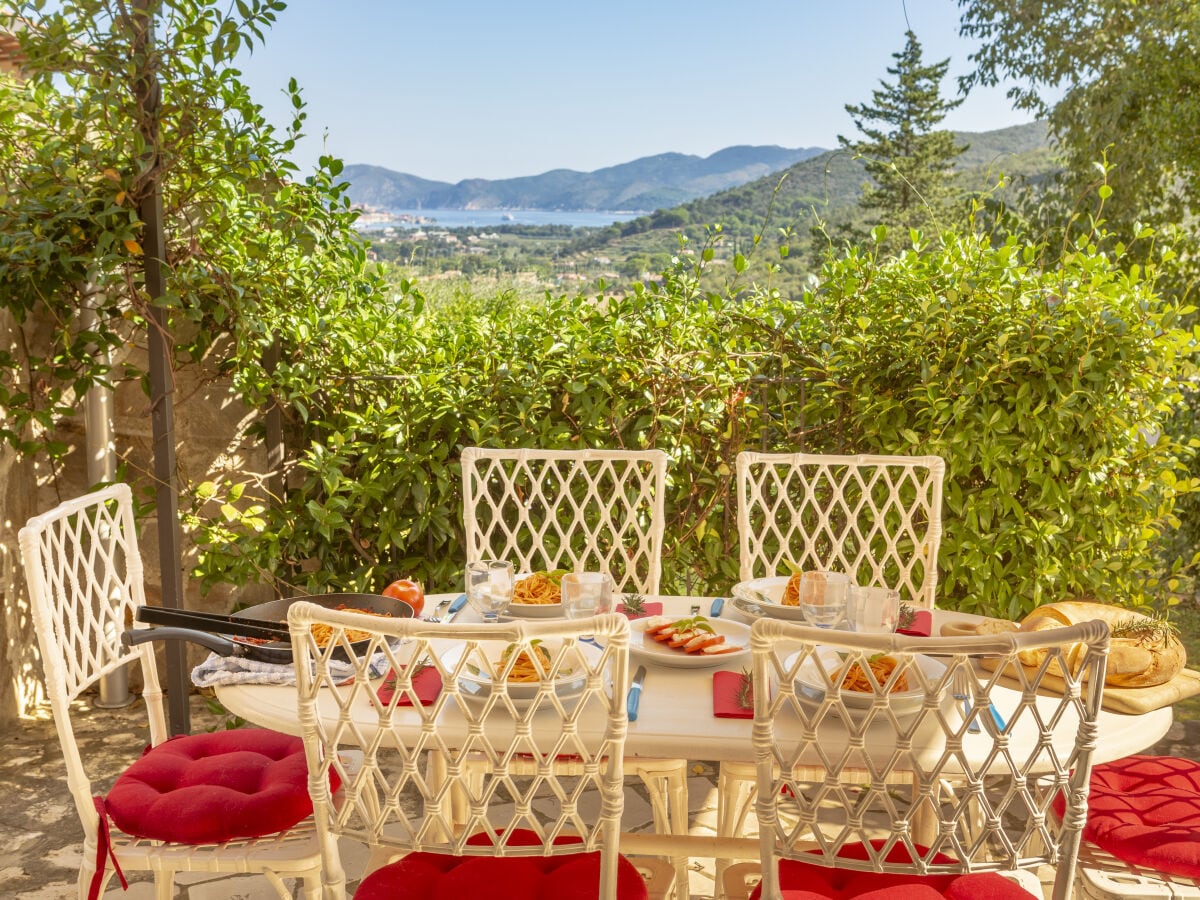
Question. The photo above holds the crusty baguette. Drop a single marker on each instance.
(1134, 660)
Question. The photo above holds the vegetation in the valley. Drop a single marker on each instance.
(778, 209)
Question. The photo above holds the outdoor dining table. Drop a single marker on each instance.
(676, 719)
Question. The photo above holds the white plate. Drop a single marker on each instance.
(762, 596)
(535, 610)
(479, 685)
(904, 705)
(646, 649)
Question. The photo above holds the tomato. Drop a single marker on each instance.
(407, 591)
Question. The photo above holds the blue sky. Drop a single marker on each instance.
(474, 89)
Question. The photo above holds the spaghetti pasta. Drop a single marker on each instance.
(525, 668)
(791, 591)
(856, 679)
(323, 633)
(538, 588)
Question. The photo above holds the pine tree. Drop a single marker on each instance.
(909, 161)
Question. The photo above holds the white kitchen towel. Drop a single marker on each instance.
(239, 670)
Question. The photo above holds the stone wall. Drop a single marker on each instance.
(209, 421)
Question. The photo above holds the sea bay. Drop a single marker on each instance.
(487, 218)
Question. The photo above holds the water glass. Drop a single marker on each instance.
(874, 610)
(490, 587)
(586, 594)
(823, 597)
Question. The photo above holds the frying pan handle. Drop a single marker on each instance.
(215, 643)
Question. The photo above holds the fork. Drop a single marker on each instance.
(961, 692)
(435, 617)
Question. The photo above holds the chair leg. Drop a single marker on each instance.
(281, 889)
(310, 886)
(87, 871)
(735, 799)
(666, 783)
(437, 775)
(164, 885)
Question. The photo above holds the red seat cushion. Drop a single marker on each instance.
(209, 788)
(1145, 810)
(437, 876)
(812, 881)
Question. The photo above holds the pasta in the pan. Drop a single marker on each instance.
(323, 633)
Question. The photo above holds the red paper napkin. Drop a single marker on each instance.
(427, 685)
(651, 607)
(727, 686)
(921, 625)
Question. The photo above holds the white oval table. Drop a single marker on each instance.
(676, 721)
(676, 718)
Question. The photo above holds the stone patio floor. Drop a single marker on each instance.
(40, 836)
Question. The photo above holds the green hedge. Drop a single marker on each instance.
(1045, 391)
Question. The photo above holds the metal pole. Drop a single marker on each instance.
(273, 427)
(147, 94)
(102, 467)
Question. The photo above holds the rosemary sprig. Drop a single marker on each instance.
(635, 604)
(1152, 628)
(745, 694)
(907, 617)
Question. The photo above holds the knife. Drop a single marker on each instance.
(635, 693)
(459, 602)
(717, 606)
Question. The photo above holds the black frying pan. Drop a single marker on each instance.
(266, 620)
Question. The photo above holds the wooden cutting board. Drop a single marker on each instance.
(1130, 700)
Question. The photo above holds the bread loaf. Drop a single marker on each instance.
(1137, 657)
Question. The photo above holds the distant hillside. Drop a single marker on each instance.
(833, 180)
(652, 182)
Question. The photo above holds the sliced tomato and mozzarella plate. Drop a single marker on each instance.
(661, 640)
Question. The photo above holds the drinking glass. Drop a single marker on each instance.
(490, 587)
(586, 594)
(874, 610)
(823, 597)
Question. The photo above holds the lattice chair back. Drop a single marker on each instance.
(979, 802)
(579, 510)
(878, 518)
(84, 572)
(572, 706)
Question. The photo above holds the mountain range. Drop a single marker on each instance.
(649, 183)
(834, 179)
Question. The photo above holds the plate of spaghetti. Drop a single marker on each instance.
(777, 597)
(538, 595)
(525, 666)
(905, 687)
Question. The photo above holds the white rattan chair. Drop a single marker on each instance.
(1145, 809)
(878, 518)
(1000, 822)
(580, 510)
(507, 846)
(1102, 876)
(597, 510)
(84, 572)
